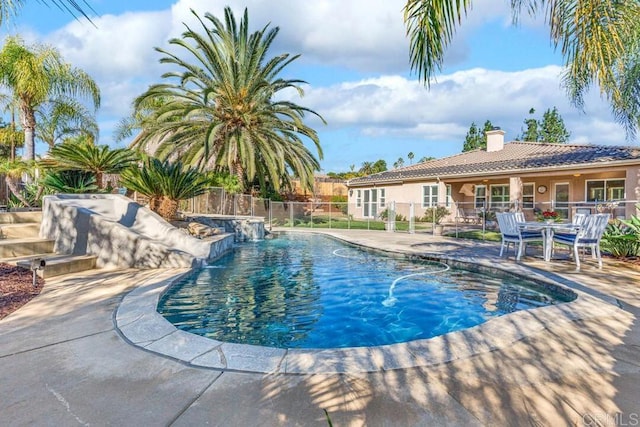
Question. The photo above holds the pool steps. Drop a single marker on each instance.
(19, 244)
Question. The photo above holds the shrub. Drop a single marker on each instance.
(435, 214)
(621, 239)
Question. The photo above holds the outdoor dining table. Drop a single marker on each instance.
(548, 229)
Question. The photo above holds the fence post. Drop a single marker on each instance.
(412, 219)
(291, 213)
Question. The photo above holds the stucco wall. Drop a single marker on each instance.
(121, 233)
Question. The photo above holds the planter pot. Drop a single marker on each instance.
(490, 225)
(438, 229)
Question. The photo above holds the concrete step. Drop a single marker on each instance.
(19, 230)
(20, 217)
(11, 248)
(57, 265)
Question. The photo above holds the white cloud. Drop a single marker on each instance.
(363, 35)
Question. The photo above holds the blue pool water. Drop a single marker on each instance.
(311, 291)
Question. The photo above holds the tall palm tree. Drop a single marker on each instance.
(64, 118)
(598, 40)
(85, 156)
(219, 111)
(38, 74)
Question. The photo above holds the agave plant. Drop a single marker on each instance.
(165, 184)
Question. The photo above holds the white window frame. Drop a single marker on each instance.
(502, 204)
(358, 198)
(449, 198)
(382, 199)
(476, 198)
(428, 200)
(605, 190)
(532, 196)
(370, 203)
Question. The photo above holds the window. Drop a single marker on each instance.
(358, 198)
(500, 197)
(449, 201)
(383, 200)
(481, 196)
(605, 190)
(370, 205)
(430, 196)
(528, 196)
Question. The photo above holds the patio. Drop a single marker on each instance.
(65, 363)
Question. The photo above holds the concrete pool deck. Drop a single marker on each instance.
(63, 361)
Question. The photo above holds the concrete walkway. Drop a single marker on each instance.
(63, 362)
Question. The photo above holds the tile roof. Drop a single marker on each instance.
(520, 156)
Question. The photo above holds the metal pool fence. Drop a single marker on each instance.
(390, 216)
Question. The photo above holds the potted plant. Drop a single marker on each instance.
(489, 218)
(435, 215)
(547, 216)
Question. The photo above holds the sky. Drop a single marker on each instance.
(354, 58)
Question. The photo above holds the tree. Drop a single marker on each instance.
(476, 138)
(379, 166)
(84, 156)
(532, 133)
(552, 128)
(64, 118)
(165, 183)
(426, 159)
(13, 170)
(410, 156)
(398, 163)
(221, 112)
(35, 75)
(10, 8)
(598, 40)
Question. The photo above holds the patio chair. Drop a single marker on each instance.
(467, 216)
(512, 233)
(588, 236)
(578, 218)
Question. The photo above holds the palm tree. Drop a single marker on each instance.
(70, 182)
(13, 170)
(10, 8)
(221, 113)
(84, 156)
(165, 183)
(38, 74)
(60, 119)
(598, 40)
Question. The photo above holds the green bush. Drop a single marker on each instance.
(621, 239)
(435, 214)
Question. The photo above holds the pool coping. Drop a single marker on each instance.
(140, 324)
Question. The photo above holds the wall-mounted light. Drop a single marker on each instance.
(350, 193)
(576, 174)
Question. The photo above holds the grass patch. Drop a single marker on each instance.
(492, 236)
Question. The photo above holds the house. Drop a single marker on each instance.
(567, 178)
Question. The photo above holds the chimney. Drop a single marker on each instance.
(495, 139)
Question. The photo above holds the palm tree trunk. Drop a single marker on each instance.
(28, 119)
(13, 184)
(168, 209)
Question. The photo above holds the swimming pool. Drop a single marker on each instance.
(312, 291)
